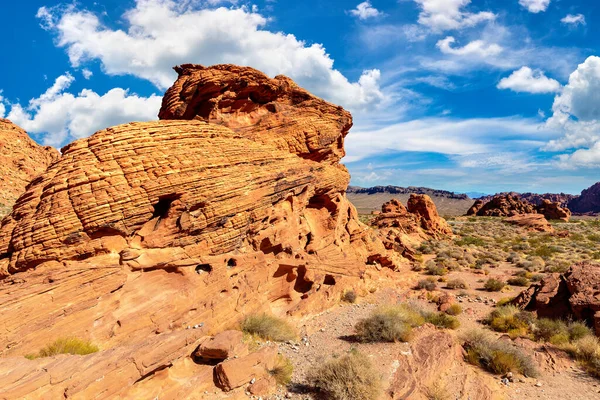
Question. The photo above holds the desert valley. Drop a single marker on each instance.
(216, 254)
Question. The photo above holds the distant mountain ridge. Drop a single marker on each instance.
(563, 199)
(407, 190)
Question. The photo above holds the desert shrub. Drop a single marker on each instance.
(349, 377)
(268, 327)
(282, 370)
(510, 319)
(436, 269)
(545, 251)
(442, 320)
(65, 346)
(513, 257)
(454, 309)
(427, 284)
(495, 355)
(550, 330)
(456, 284)
(587, 348)
(493, 285)
(594, 237)
(470, 240)
(537, 277)
(349, 296)
(518, 281)
(504, 301)
(389, 324)
(578, 330)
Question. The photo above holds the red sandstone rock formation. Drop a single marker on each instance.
(145, 229)
(531, 222)
(588, 202)
(571, 295)
(402, 228)
(21, 160)
(475, 207)
(552, 210)
(505, 206)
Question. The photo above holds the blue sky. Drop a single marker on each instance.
(463, 95)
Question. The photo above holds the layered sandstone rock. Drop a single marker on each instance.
(475, 207)
(21, 160)
(531, 222)
(554, 211)
(505, 206)
(571, 295)
(273, 111)
(147, 229)
(588, 202)
(402, 228)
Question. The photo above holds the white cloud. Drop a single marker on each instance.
(163, 33)
(365, 11)
(570, 19)
(87, 74)
(443, 15)
(478, 48)
(576, 111)
(535, 6)
(529, 81)
(61, 116)
(2, 107)
(446, 136)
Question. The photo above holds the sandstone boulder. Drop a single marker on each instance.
(571, 295)
(531, 222)
(429, 220)
(553, 211)
(21, 160)
(475, 207)
(237, 372)
(222, 346)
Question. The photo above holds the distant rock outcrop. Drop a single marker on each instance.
(571, 295)
(508, 205)
(504, 206)
(400, 227)
(531, 222)
(407, 190)
(21, 160)
(536, 199)
(588, 202)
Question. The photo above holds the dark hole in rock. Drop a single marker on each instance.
(329, 280)
(200, 268)
(161, 209)
(302, 284)
(231, 263)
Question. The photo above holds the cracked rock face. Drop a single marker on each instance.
(145, 229)
(21, 160)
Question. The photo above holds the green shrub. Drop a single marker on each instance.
(435, 269)
(65, 346)
(518, 281)
(510, 319)
(578, 330)
(456, 284)
(493, 285)
(282, 370)
(442, 320)
(550, 330)
(470, 240)
(268, 327)
(349, 377)
(389, 324)
(495, 355)
(454, 309)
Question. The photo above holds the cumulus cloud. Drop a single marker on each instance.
(87, 74)
(2, 107)
(535, 6)
(60, 116)
(365, 11)
(529, 81)
(443, 15)
(570, 19)
(576, 111)
(162, 33)
(478, 48)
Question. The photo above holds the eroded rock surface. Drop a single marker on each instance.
(573, 294)
(21, 160)
(148, 229)
(531, 222)
(505, 206)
